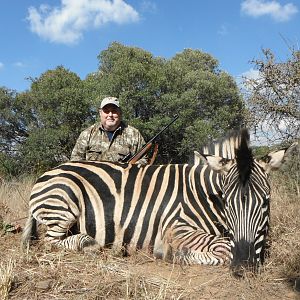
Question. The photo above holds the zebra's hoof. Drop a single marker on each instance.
(92, 249)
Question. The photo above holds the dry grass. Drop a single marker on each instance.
(45, 273)
(285, 228)
(14, 198)
(6, 278)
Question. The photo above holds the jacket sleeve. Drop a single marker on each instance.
(81, 146)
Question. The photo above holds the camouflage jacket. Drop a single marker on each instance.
(93, 144)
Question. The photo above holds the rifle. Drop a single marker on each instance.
(133, 159)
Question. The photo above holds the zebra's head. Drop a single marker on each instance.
(246, 195)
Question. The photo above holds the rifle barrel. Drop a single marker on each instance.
(151, 141)
(175, 118)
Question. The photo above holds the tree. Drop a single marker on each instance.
(133, 74)
(274, 97)
(60, 108)
(12, 123)
(13, 131)
(153, 89)
(42, 124)
(208, 99)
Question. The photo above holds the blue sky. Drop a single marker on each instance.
(37, 36)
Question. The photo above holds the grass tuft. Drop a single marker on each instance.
(6, 278)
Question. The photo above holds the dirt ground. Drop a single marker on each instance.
(44, 273)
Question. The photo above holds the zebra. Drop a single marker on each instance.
(212, 213)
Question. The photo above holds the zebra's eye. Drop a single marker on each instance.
(266, 200)
(221, 194)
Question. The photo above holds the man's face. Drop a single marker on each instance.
(110, 116)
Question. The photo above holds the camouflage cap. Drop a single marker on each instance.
(110, 100)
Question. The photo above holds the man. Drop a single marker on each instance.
(109, 140)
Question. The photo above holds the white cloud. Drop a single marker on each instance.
(278, 12)
(1, 65)
(251, 74)
(243, 78)
(65, 24)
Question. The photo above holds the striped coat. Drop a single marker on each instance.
(127, 206)
(195, 214)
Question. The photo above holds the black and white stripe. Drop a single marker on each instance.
(183, 213)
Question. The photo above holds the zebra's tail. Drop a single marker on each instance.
(29, 232)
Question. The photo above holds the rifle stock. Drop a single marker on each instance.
(140, 154)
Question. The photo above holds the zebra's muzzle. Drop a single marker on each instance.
(243, 259)
(244, 271)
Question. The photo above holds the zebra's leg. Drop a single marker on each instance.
(184, 244)
(57, 234)
(77, 242)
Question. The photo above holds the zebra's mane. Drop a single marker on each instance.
(226, 147)
(244, 157)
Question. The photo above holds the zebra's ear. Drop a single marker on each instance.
(275, 159)
(217, 163)
(198, 158)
